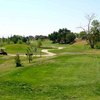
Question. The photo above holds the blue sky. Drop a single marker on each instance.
(34, 17)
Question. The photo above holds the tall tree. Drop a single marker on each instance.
(92, 30)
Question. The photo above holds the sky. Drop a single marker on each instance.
(42, 17)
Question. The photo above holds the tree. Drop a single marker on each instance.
(62, 36)
(37, 37)
(92, 30)
(70, 38)
(29, 54)
(53, 36)
(16, 38)
(96, 30)
(35, 50)
(18, 61)
(39, 43)
(8, 40)
(83, 35)
(1, 42)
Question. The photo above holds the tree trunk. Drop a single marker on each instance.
(91, 44)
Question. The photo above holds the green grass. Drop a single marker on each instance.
(71, 48)
(19, 48)
(76, 48)
(16, 48)
(66, 77)
(48, 43)
(62, 77)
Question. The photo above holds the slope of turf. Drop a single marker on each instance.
(16, 48)
(78, 47)
(66, 77)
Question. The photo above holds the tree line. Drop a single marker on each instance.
(20, 39)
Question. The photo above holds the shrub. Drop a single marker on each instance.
(18, 61)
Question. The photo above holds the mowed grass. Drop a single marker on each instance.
(16, 48)
(65, 77)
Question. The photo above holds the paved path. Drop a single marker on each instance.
(60, 48)
(48, 53)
